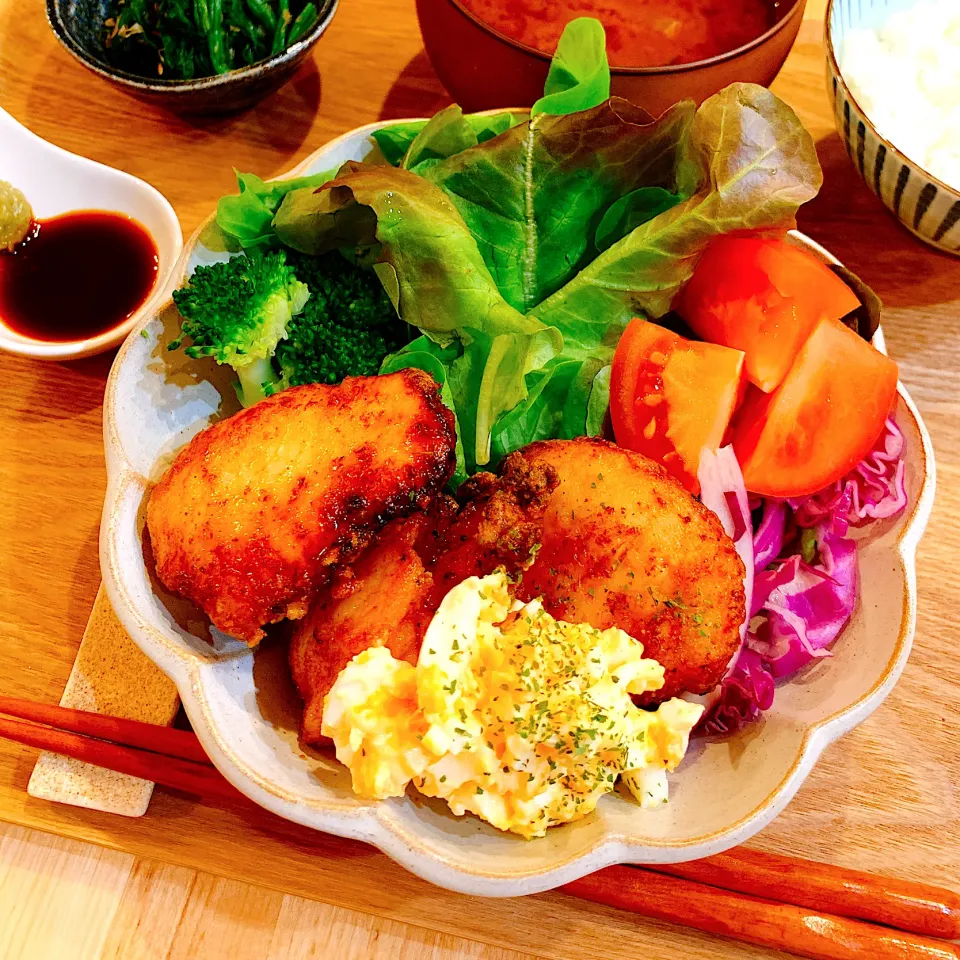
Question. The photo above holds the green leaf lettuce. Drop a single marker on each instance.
(430, 265)
(579, 76)
(522, 258)
(246, 218)
(757, 165)
(520, 247)
(534, 196)
(395, 141)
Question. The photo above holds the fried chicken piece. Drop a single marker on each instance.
(388, 597)
(382, 600)
(625, 545)
(255, 512)
(499, 524)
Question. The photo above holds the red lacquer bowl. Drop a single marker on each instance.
(483, 68)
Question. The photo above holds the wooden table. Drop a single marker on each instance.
(885, 798)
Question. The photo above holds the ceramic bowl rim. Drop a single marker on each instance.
(185, 87)
(663, 70)
(891, 146)
(375, 824)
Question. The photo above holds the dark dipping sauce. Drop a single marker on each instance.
(76, 276)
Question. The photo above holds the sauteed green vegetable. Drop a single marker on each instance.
(185, 39)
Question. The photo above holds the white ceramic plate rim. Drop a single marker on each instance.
(376, 824)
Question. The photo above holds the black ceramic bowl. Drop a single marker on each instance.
(78, 25)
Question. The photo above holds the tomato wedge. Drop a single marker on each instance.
(821, 421)
(670, 397)
(763, 296)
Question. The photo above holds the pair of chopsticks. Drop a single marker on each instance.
(173, 758)
(811, 909)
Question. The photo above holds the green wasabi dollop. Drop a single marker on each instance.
(15, 216)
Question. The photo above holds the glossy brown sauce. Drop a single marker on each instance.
(76, 276)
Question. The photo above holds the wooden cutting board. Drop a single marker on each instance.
(885, 798)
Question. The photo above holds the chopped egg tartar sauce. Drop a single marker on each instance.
(510, 714)
(906, 77)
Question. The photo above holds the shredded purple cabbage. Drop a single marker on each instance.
(746, 691)
(797, 609)
(873, 490)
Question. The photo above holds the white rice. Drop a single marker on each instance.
(906, 78)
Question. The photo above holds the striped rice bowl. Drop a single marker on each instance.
(926, 206)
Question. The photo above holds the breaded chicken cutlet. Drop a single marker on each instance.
(256, 510)
(624, 545)
(605, 536)
(390, 594)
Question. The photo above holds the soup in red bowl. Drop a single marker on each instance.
(496, 53)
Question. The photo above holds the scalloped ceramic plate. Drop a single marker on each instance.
(244, 709)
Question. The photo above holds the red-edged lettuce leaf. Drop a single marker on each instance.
(430, 266)
(427, 258)
(757, 165)
(534, 196)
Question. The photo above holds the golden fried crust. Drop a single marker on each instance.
(389, 595)
(499, 524)
(383, 600)
(625, 545)
(255, 510)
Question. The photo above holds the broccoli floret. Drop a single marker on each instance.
(282, 319)
(346, 328)
(238, 312)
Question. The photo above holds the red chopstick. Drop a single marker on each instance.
(133, 733)
(179, 771)
(780, 926)
(917, 907)
(812, 909)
